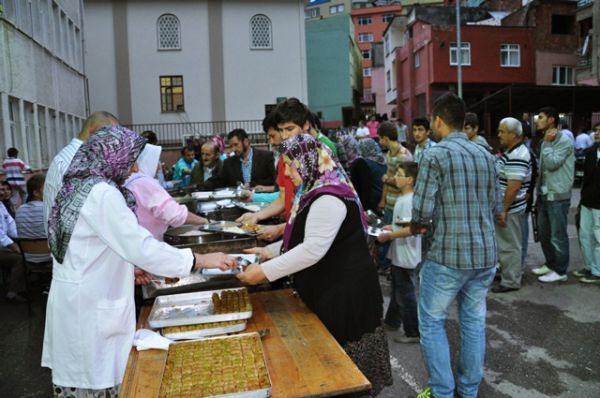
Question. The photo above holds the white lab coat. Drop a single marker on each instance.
(90, 318)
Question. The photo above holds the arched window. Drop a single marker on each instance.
(260, 32)
(167, 28)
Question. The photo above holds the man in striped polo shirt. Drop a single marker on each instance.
(62, 160)
(514, 172)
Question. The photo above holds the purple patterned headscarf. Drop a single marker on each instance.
(369, 149)
(320, 174)
(107, 156)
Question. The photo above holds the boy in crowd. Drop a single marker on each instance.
(405, 254)
(14, 167)
(421, 131)
(288, 119)
(472, 130)
(182, 170)
(396, 154)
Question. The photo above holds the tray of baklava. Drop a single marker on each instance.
(232, 366)
(200, 307)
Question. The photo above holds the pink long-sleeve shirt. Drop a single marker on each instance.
(156, 210)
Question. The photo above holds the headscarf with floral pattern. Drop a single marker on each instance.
(107, 156)
(320, 174)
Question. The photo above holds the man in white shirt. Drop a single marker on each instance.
(10, 254)
(362, 131)
(62, 160)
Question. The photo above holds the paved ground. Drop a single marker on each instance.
(542, 342)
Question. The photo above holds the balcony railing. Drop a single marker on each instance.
(173, 134)
(584, 61)
(584, 3)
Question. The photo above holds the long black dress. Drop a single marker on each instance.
(343, 290)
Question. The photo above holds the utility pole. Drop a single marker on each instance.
(459, 51)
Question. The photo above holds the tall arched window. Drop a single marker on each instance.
(260, 32)
(169, 37)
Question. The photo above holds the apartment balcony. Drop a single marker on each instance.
(584, 62)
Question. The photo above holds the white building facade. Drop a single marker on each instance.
(42, 77)
(393, 38)
(193, 61)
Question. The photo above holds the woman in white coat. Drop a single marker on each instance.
(95, 241)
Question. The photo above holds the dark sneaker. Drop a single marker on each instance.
(503, 289)
(580, 273)
(407, 340)
(426, 393)
(390, 328)
(590, 279)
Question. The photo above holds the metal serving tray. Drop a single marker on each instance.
(189, 309)
(203, 333)
(250, 206)
(228, 227)
(215, 195)
(258, 393)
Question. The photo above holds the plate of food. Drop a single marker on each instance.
(231, 227)
(200, 307)
(372, 231)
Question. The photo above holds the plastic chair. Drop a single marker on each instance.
(35, 246)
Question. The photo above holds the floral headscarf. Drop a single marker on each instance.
(350, 147)
(320, 174)
(107, 156)
(369, 149)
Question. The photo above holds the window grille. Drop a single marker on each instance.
(168, 32)
(260, 32)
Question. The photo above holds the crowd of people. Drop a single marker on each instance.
(456, 216)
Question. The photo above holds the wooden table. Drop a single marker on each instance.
(304, 360)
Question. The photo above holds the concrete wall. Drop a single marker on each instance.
(223, 78)
(544, 61)
(329, 66)
(42, 83)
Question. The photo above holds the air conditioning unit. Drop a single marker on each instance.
(188, 140)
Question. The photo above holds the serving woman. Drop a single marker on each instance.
(155, 209)
(95, 241)
(325, 248)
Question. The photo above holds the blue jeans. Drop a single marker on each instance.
(525, 238)
(384, 248)
(403, 302)
(439, 286)
(552, 231)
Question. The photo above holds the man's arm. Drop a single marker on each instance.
(556, 155)
(426, 189)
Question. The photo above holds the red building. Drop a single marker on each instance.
(493, 57)
(369, 25)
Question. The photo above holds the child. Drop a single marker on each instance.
(405, 255)
(13, 167)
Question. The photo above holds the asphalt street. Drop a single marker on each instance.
(542, 341)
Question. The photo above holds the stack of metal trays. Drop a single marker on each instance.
(205, 239)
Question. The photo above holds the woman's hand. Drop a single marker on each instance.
(270, 233)
(248, 218)
(252, 275)
(142, 277)
(215, 260)
(383, 237)
(262, 252)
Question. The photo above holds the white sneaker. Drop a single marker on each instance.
(552, 277)
(543, 270)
